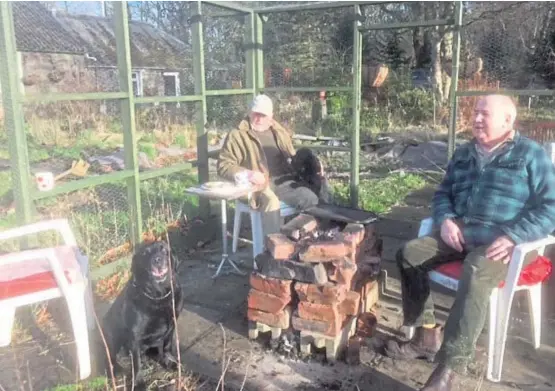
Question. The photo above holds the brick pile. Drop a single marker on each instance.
(315, 281)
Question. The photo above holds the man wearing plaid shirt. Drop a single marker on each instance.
(498, 191)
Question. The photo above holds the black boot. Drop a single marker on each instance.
(441, 379)
(424, 344)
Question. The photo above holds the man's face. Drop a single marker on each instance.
(260, 122)
(492, 121)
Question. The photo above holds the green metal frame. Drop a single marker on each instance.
(13, 98)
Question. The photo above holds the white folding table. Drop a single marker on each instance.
(228, 193)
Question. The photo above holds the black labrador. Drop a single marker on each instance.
(308, 168)
(141, 320)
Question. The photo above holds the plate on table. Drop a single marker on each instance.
(217, 185)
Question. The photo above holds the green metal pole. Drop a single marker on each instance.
(121, 25)
(250, 54)
(357, 85)
(455, 77)
(259, 52)
(13, 116)
(200, 89)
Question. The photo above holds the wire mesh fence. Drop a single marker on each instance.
(166, 134)
(99, 217)
(509, 46)
(224, 48)
(60, 134)
(308, 48)
(165, 204)
(71, 47)
(59, 48)
(161, 48)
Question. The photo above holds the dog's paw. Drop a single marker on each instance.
(169, 362)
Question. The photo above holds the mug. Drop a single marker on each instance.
(242, 178)
(44, 180)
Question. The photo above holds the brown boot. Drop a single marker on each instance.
(441, 379)
(424, 344)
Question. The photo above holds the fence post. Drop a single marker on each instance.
(455, 77)
(200, 89)
(259, 53)
(250, 38)
(357, 85)
(121, 26)
(13, 116)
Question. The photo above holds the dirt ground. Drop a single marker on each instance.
(213, 338)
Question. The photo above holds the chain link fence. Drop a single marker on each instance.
(509, 46)
(70, 47)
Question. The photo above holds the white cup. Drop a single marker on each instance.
(242, 178)
(44, 181)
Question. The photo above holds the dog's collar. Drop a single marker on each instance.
(151, 297)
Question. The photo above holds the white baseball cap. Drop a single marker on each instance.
(262, 104)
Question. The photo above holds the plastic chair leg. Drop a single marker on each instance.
(257, 234)
(89, 306)
(492, 328)
(499, 328)
(535, 309)
(78, 316)
(236, 229)
(6, 324)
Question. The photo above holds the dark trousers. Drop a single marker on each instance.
(468, 315)
(294, 193)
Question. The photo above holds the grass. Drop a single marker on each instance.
(96, 384)
(379, 195)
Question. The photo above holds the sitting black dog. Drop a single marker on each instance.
(308, 168)
(141, 320)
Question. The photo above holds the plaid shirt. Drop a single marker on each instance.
(513, 194)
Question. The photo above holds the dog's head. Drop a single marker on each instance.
(151, 262)
(307, 165)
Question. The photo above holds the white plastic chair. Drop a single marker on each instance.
(256, 224)
(34, 276)
(501, 300)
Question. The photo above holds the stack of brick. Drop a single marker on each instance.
(317, 285)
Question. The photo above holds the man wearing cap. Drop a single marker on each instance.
(262, 149)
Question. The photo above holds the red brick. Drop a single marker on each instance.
(272, 286)
(354, 233)
(330, 329)
(342, 272)
(300, 226)
(324, 252)
(328, 293)
(279, 246)
(282, 319)
(353, 248)
(351, 304)
(322, 312)
(265, 302)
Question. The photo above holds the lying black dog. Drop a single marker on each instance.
(141, 319)
(308, 168)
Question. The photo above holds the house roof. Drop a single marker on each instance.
(38, 30)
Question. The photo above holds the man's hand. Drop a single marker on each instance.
(452, 235)
(501, 249)
(257, 178)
